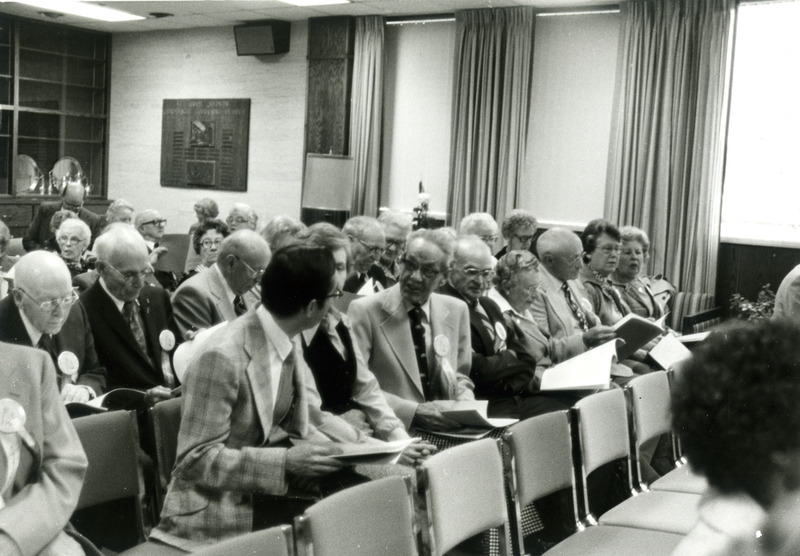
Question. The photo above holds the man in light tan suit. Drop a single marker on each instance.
(225, 289)
(417, 364)
(244, 396)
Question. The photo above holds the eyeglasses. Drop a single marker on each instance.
(523, 239)
(70, 239)
(488, 239)
(237, 220)
(473, 273)
(207, 243)
(398, 243)
(373, 249)
(610, 249)
(338, 293)
(571, 260)
(411, 267)
(130, 275)
(157, 222)
(53, 304)
(255, 275)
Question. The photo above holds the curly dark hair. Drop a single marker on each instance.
(735, 404)
(203, 227)
(593, 231)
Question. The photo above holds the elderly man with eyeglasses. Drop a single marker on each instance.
(72, 198)
(225, 290)
(42, 312)
(241, 217)
(415, 341)
(503, 369)
(132, 322)
(151, 225)
(396, 227)
(367, 244)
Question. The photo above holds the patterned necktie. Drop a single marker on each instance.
(576, 309)
(420, 350)
(238, 306)
(131, 312)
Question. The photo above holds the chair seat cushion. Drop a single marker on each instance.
(613, 541)
(681, 479)
(672, 512)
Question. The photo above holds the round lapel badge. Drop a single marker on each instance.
(441, 345)
(12, 416)
(500, 329)
(167, 340)
(68, 363)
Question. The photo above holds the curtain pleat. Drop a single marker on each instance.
(367, 115)
(491, 98)
(667, 146)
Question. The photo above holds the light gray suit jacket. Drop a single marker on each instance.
(202, 301)
(48, 483)
(226, 441)
(382, 331)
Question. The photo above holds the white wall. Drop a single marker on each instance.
(418, 80)
(202, 63)
(574, 72)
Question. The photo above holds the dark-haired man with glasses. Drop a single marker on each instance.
(42, 312)
(72, 198)
(226, 289)
(132, 322)
(367, 244)
(415, 341)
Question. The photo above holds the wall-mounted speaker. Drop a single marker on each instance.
(262, 37)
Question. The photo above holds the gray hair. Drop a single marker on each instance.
(632, 233)
(474, 220)
(518, 218)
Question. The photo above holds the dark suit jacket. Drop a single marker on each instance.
(39, 230)
(116, 346)
(375, 272)
(75, 336)
(496, 373)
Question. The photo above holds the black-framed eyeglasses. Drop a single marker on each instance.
(255, 275)
(411, 266)
(523, 239)
(156, 222)
(52, 304)
(130, 275)
(398, 243)
(373, 249)
(207, 243)
(608, 249)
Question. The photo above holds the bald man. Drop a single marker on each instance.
(42, 312)
(224, 291)
(72, 198)
(132, 323)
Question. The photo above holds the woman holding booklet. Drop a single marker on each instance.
(626, 277)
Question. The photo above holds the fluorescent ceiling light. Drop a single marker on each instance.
(308, 3)
(82, 9)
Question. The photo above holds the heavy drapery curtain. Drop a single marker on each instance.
(367, 115)
(491, 97)
(667, 145)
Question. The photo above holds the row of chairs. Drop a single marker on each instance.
(462, 491)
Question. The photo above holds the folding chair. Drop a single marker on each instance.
(164, 423)
(275, 541)
(539, 460)
(464, 494)
(373, 518)
(601, 425)
(649, 399)
(109, 510)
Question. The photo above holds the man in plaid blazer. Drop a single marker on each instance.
(245, 395)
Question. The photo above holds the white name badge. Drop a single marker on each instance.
(68, 363)
(12, 416)
(167, 340)
(501, 330)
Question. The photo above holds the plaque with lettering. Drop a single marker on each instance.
(204, 143)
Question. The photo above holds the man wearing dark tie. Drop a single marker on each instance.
(223, 291)
(42, 312)
(367, 244)
(502, 368)
(415, 341)
(131, 320)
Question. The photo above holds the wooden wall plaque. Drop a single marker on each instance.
(204, 143)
